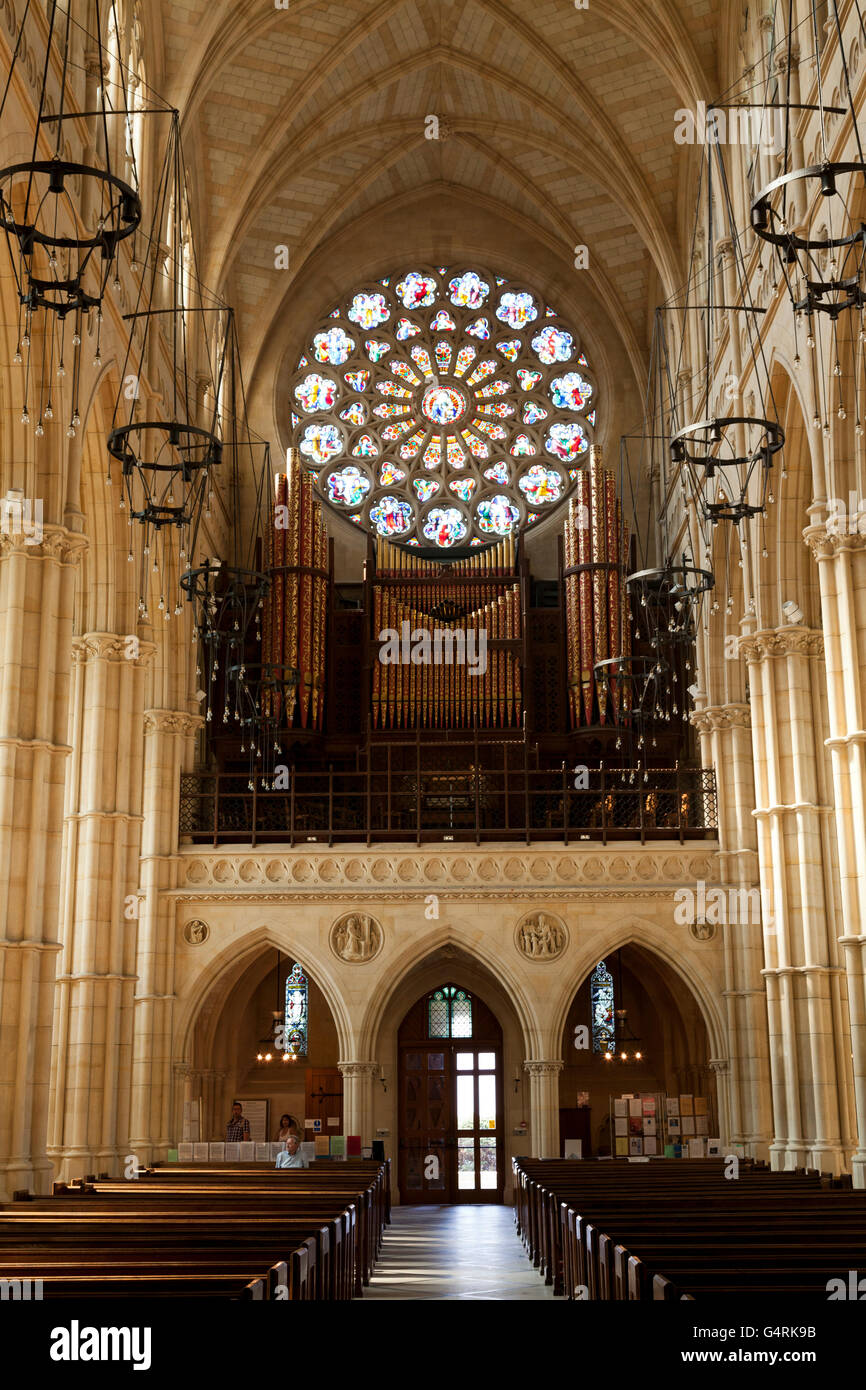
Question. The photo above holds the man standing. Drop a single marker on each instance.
(291, 1156)
(238, 1128)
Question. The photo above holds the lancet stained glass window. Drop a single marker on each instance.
(449, 1013)
(443, 407)
(296, 1012)
(601, 1006)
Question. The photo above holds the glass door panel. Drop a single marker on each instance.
(466, 1168)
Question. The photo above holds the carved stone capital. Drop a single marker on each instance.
(171, 721)
(111, 646)
(721, 717)
(782, 642)
(357, 1071)
(56, 543)
(827, 542)
(550, 1068)
(720, 1065)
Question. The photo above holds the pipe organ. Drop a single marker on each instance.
(455, 631)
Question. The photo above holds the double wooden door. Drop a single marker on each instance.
(450, 1143)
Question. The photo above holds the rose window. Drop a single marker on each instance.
(443, 408)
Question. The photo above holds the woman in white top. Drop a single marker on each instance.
(288, 1125)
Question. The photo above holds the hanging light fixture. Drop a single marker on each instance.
(626, 1049)
(61, 266)
(168, 458)
(273, 1047)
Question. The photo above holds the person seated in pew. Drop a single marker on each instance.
(291, 1156)
(238, 1127)
(288, 1125)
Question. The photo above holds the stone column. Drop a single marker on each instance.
(809, 1041)
(544, 1106)
(726, 745)
(165, 732)
(93, 1008)
(842, 576)
(37, 586)
(358, 1079)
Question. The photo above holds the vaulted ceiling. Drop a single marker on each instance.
(307, 127)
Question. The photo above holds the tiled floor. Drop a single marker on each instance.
(454, 1252)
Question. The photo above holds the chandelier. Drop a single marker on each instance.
(625, 1046)
(168, 458)
(275, 1045)
(62, 261)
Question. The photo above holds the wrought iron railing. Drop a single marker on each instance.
(472, 804)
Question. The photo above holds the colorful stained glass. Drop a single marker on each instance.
(566, 440)
(468, 291)
(510, 349)
(455, 456)
(443, 405)
(487, 427)
(445, 526)
(296, 1020)
(365, 447)
(570, 392)
(433, 454)
(425, 488)
(477, 447)
(335, 347)
(392, 432)
(391, 516)
(481, 371)
(321, 443)
(465, 357)
(523, 447)
(463, 488)
(421, 358)
(390, 474)
(517, 309)
(348, 487)
(552, 345)
(498, 473)
(496, 515)
(392, 388)
(431, 400)
(601, 1005)
(416, 291)
(540, 485)
(581, 361)
(369, 310)
(316, 393)
(405, 371)
(335, 313)
(443, 355)
(411, 447)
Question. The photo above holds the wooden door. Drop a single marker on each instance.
(450, 1104)
(324, 1100)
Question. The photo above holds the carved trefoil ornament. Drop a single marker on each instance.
(541, 936)
(356, 938)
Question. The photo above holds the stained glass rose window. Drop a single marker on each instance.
(443, 407)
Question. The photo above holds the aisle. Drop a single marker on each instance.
(454, 1252)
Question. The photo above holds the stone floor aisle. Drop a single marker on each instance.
(454, 1252)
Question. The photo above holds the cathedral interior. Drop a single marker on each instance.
(432, 588)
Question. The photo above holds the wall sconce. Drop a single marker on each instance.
(517, 1079)
(382, 1080)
